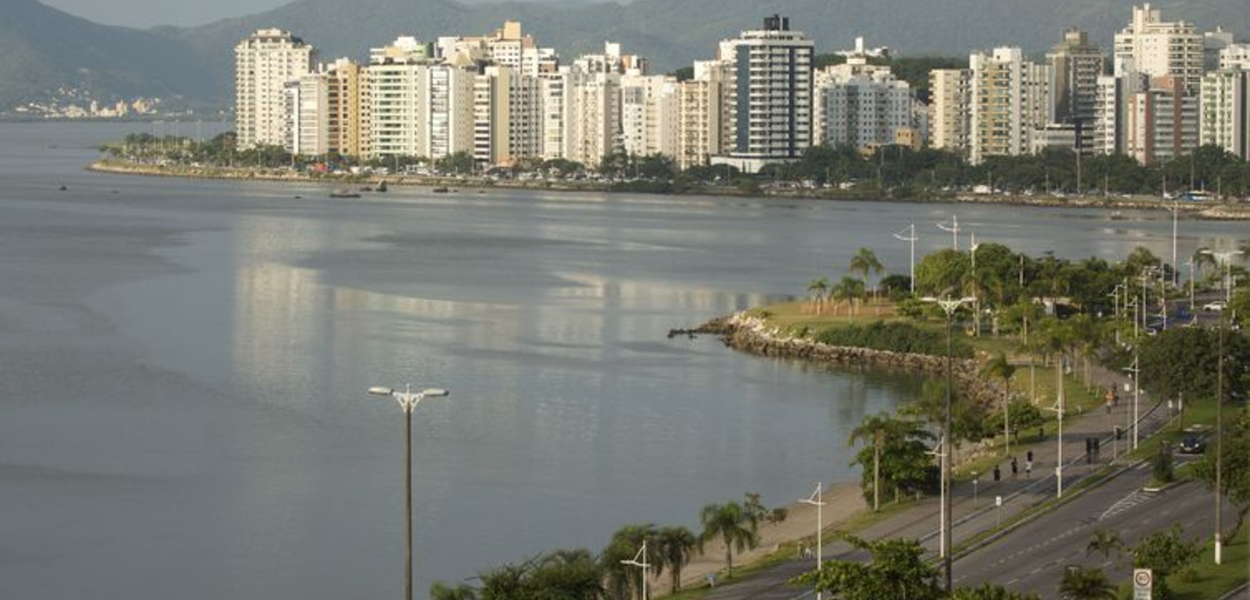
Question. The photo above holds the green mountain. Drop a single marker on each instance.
(42, 49)
(45, 53)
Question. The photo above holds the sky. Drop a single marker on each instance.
(149, 13)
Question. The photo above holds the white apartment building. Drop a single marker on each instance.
(1225, 120)
(593, 110)
(701, 129)
(264, 63)
(398, 91)
(950, 110)
(770, 114)
(1235, 56)
(860, 105)
(1011, 99)
(1158, 48)
(507, 47)
(650, 115)
(308, 113)
(450, 110)
(1076, 65)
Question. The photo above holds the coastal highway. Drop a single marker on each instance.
(1033, 557)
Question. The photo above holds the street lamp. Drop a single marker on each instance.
(939, 451)
(954, 230)
(911, 237)
(948, 306)
(1059, 410)
(408, 401)
(1175, 209)
(1135, 369)
(816, 499)
(640, 560)
(1225, 259)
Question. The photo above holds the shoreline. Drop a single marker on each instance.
(1203, 211)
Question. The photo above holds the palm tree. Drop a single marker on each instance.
(1203, 260)
(674, 548)
(733, 525)
(1055, 340)
(624, 581)
(1080, 583)
(439, 591)
(864, 261)
(1000, 367)
(873, 427)
(817, 288)
(1104, 542)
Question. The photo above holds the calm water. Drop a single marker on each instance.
(184, 366)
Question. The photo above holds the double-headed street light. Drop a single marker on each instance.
(913, 238)
(948, 306)
(953, 229)
(1135, 369)
(640, 560)
(816, 500)
(408, 401)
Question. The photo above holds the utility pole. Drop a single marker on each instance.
(911, 237)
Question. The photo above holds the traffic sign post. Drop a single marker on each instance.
(1143, 584)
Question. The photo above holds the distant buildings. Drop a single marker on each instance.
(502, 99)
(265, 63)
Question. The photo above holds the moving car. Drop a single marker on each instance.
(1192, 443)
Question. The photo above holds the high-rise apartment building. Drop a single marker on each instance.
(1161, 48)
(650, 115)
(701, 130)
(398, 92)
(265, 63)
(507, 116)
(506, 47)
(1076, 65)
(348, 108)
(1235, 56)
(1225, 120)
(450, 105)
(1011, 100)
(308, 114)
(1161, 121)
(950, 110)
(860, 105)
(771, 109)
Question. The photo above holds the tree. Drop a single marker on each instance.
(1235, 480)
(1080, 583)
(733, 525)
(873, 427)
(1183, 361)
(674, 548)
(903, 463)
(439, 591)
(989, 591)
(941, 273)
(758, 512)
(566, 575)
(1000, 367)
(1165, 553)
(1104, 542)
(817, 288)
(897, 571)
(624, 581)
(865, 261)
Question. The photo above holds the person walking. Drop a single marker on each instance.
(1028, 468)
(1015, 468)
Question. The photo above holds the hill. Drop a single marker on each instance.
(45, 53)
(41, 47)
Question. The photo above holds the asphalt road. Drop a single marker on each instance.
(1034, 557)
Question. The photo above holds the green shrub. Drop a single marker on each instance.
(892, 337)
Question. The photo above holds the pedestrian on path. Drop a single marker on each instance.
(1028, 469)
(1015, 468)
(998, 474)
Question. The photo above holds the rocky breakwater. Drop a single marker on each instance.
(748, 333)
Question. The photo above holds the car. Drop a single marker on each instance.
(1192, 443)
(1216, 306)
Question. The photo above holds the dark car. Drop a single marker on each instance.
(1192, 443)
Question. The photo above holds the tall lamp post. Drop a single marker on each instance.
(816, 499)
(1224, 259)
(953, 229)
(1135, 369)
(948, 306)
(1059, 410)
(640, 560)
(408, 401)
(910, 237)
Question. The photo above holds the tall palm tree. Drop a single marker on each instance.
(736, 527)
(1055, 340)
(1001, 368)
(624, 581)
(439, 591)
(817, 288)
(674, 548)
(1080, 583)
(865, 261)
(873, 427)
(1104, 542)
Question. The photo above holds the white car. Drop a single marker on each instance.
(1217, 306)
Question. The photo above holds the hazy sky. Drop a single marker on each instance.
(146, 13)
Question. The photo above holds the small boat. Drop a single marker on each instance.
(440, 190)
(299, 197)
(382, 187)
(366, 189)
(344, 194)
(63, 188)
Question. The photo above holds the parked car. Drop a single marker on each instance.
(1216, 306)
(1192, 443)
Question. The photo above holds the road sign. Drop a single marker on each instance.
(1143, 583)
